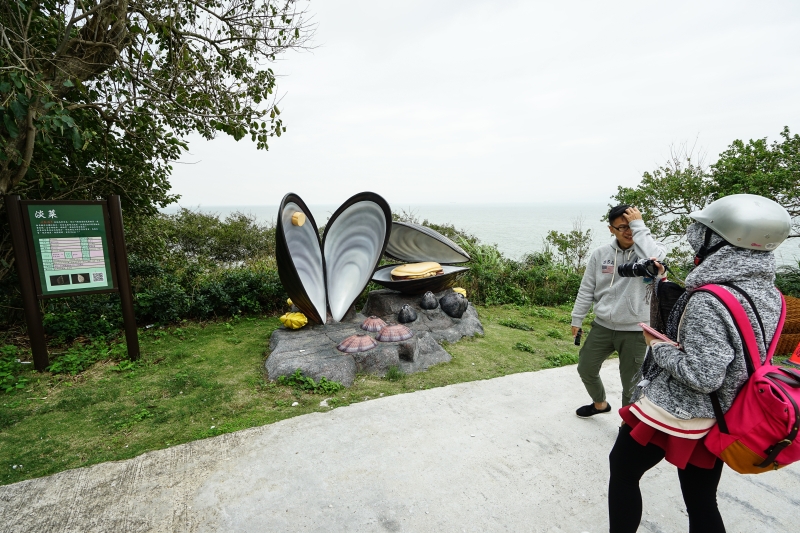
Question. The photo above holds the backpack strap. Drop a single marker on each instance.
(769, 350)
(775, 338)
(748, 336)
(753, 307)
(742, 323)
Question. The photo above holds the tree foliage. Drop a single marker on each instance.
(572, 248)
(684, 184)
(97, 96)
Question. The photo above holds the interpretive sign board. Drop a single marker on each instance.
(69, 247)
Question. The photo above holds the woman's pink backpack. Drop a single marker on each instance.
(759, 432)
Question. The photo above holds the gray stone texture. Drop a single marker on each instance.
(312, 349)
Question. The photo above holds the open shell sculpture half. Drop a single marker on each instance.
(357, 343)
(406, 314)
(394, 333)
(373, 324)
(413, 243)
(454, 304)
(429, 301)
(330, 273)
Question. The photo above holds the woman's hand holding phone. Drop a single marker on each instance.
(651, 335)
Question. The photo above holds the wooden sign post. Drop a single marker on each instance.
(69, 248)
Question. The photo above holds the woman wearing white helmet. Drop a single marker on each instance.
(672, 411)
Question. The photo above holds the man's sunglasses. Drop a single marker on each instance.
(623, 227)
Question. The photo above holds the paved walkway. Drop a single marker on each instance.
(507, 454)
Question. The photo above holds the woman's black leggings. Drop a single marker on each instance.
(630, 460)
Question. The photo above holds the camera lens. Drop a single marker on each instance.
(644, 268)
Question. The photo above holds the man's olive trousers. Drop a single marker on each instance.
(600, 344)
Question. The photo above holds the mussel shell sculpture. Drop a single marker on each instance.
(357, 343)
(454, 304)
(413, 243)
(332, 273)
(429, 301)
(373, 324)
(394, 333)
(407, 314)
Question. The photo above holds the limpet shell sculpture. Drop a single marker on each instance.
(406, 314)
(429, 301)
(454, 304)
(373, 324)
(394, 333)
(357, 343)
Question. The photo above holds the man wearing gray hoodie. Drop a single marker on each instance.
(619, 306)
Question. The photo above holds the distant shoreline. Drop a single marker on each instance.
(516, 229)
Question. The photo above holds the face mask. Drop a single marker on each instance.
(695, 234)
(700, 238)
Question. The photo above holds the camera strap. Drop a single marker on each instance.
(707, 250)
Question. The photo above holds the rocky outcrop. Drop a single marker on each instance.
(312, 349)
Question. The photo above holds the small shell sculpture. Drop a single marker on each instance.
(454, 304)
(394, 333)
(406, 314)
(429, 301)
(357, 343)
(373, 324)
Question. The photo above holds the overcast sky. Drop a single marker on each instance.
(475, 101)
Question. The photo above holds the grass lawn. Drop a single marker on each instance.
(200, 380)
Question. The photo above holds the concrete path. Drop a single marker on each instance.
(507, 454)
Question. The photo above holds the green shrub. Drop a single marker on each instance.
(541, 312)
(524, 347)
(788, 280)
(10, 369)
(79, 357)
(515, 324)
(554, 334)
(394, 373)
(304, 383)
(562, 359)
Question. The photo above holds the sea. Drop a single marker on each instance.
(516, 229)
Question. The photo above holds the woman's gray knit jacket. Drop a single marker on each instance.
(712, 358)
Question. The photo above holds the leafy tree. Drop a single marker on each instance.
(573, 248)
(771, 170)
(97, 97)
(683, 184)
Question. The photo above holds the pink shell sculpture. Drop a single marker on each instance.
(394, 333)
(357, 343)
(373, 324)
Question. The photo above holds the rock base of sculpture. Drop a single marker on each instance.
(312, 349)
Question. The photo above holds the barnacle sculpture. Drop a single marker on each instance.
(406, 314)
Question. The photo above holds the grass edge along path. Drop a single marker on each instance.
(200, 380)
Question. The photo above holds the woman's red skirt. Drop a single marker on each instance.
(679, 451)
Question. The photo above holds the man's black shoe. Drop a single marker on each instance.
(590, 410)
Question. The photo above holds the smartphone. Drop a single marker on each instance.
(658, 335)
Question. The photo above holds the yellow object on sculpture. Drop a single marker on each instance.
(298, 218)
(459, 290)
(289, 302)
(294, 320)
(416, 270)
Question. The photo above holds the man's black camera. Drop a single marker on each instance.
(643, 268)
